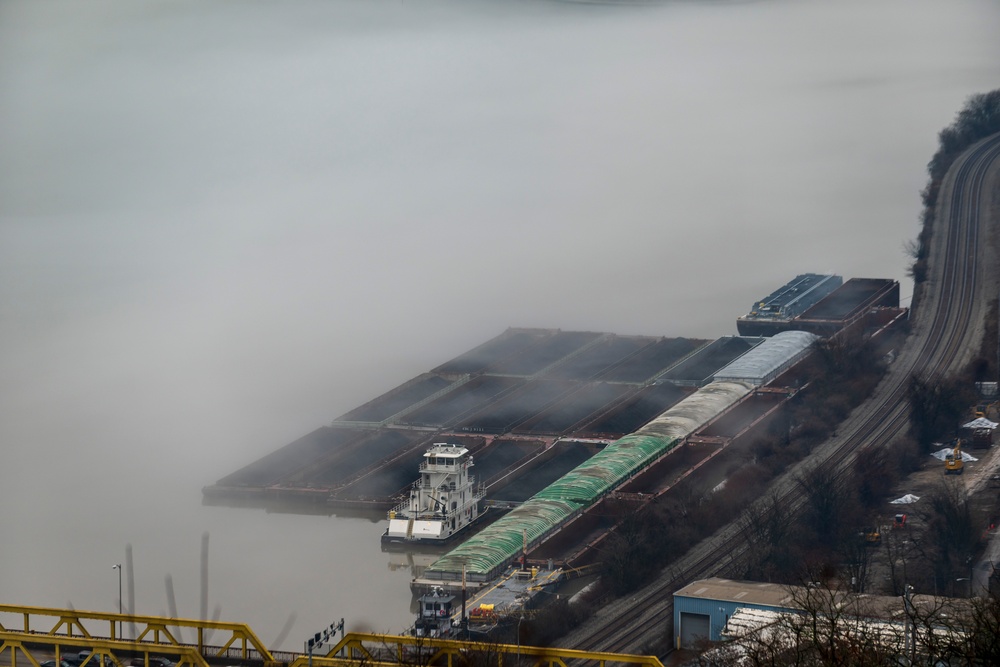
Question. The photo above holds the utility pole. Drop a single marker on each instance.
(909, 627)
(464, 625)
(119, 568)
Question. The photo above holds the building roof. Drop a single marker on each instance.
(745, 592)
(792, 598)
(445, 450)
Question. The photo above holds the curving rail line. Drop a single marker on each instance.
(945, 330)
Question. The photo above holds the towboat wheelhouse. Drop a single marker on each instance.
(442, 502)
(434, 619)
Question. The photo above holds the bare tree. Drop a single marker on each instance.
(857, 555)
(830, 511)
(765, 527)
(831, 627)
(898, 551)
(838, 627)
(951, 538)
(936, 407)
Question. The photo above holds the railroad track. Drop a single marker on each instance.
(944, 331)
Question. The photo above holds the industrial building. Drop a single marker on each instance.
(729, 611)
(703, 608)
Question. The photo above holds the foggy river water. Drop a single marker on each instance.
(224, 224)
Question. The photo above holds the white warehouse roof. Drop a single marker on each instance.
(764, 362)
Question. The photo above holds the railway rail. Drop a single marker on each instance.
(943, 336)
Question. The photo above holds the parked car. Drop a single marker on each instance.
(153, 662)
(95, 661)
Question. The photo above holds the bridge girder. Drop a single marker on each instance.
(78, 630)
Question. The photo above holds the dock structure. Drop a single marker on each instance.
(512, 596)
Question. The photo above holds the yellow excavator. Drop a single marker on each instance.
(953, 463)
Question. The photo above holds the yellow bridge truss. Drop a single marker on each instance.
(30, 635)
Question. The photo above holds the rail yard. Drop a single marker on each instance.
(945, 331)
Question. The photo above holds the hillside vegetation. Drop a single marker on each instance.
(978, 119)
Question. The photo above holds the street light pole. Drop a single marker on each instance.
(910, 626)
(320, 638)
(519, 638)
(119, 568)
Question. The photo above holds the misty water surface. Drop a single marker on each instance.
(224, 224)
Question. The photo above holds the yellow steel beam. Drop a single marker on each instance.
(37, 646)
(150, 629)
(71, 631)
(395, 650)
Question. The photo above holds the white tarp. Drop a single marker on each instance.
(982, 422)
(942, 454)
(761, 364)
(905, 500)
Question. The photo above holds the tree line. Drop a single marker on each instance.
(978, 119)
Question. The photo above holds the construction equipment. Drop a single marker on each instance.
(985, 408)
(953, 462)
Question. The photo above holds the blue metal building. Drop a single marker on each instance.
(703, 607)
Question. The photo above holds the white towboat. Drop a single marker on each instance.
(443, 502)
